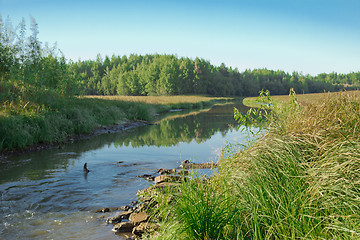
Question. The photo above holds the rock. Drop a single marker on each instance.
(161, 185)
(140, 217)
(144, 176)
(133, 203)
(124, 208)
(150, 179)
(143, 206)
(182, 172)
(103, 210)
(166, 171)
(166, 178)
(130, 238)
(123, 227)
(198, 165)
(118, 217)
(145, 227)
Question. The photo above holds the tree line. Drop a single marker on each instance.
(25, 60)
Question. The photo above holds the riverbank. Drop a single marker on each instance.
(102, 130)
(299, 180)
(34, 119)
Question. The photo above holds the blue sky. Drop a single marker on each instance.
(308, 36)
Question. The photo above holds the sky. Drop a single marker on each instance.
(307, 36)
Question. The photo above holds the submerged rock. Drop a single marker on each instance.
(103, 210)
(145, 176)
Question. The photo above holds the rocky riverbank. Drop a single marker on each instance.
(134, 220)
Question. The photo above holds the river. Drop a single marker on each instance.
(45, 195)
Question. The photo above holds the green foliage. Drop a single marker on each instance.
(151, 75)
(256, 117)
(199, 209)
(30, 115)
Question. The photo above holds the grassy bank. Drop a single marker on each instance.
(29, 115)
(165, 103)
(303, 99)
(300, 180)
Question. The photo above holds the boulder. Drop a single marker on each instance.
(145, 227)
(166, 171)
(120, 216)
(150, 179)
(123, 227)
(103, 210)
(145, 176)
(124, 208)
(166, 178)
(140, 217)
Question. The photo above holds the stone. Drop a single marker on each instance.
(118, 217)
(145, 227)
(124, 208)
(144, 176)
(133, 203)
(137, 218)
(150, 179)
(182, 173)
(166, 171)
(123, 227)
(198, 165)
(166, 178)
(103, 210)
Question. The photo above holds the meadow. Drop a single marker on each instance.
(303, 99)
(299, 180)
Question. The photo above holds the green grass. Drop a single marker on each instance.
(29, 115)
(303, 99)
(300, 180)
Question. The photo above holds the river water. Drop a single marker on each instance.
(45, 195)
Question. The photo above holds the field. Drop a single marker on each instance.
(163, 100)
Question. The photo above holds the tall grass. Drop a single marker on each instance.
(301, 180)
(29, 115)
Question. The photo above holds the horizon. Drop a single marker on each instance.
(303, 36)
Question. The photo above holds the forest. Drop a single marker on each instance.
(25, 62)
